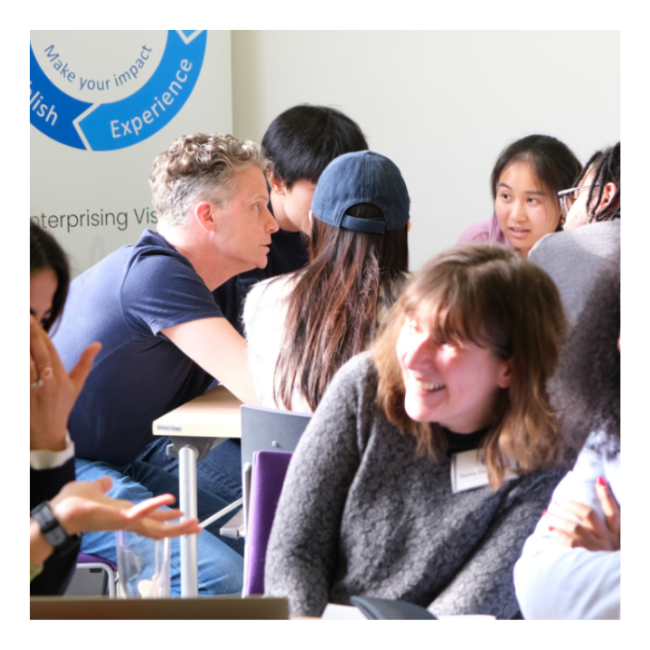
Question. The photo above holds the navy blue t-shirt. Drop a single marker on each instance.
(124, 302)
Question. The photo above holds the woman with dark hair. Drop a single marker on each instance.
(302, 327)
(426, 464)
(524, 182)
(49, 274)
(570, 565)
(60, 507)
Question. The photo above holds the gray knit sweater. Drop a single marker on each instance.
(360, 514)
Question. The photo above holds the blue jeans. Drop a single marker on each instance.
(220, 562)
(218, 473)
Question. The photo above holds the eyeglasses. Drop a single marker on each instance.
(567, 197)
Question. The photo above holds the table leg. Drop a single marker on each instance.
(187, 458)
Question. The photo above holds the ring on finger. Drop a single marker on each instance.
(36, 384)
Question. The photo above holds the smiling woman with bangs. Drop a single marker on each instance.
(431, 457)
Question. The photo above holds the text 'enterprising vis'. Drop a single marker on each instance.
(120, 220)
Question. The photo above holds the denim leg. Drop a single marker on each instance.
(220, 568)
(219, 472)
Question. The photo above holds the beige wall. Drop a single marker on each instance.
(440, 104)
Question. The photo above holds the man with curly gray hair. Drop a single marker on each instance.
(164, 339)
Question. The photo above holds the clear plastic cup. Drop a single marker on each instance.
(143, 566)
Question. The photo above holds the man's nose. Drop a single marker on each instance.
(272, 225)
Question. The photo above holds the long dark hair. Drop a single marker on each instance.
(45, 253)
(586, 388)
(333, 308)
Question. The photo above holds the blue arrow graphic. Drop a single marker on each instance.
(51, 111)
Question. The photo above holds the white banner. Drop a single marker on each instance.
(103, 104)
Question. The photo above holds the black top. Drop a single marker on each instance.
(458, 442)
(45, 484)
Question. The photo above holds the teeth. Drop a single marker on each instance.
(427, 386)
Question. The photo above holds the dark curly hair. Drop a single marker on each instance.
(586, 388)
(606, 166)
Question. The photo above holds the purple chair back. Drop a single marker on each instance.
(84, 558)
(269, 470)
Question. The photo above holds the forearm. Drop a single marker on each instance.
(215, 345)
(39, 548)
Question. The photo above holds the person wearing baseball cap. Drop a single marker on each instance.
(302, 327)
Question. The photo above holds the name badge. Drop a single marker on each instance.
(468, 471)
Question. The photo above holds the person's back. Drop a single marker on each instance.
(301, 328)
(299, 144)
(592, 235)
(574, 257)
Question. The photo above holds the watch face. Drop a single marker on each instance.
(52, 530)
(56, 536)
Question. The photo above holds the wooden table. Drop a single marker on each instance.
(195, 428)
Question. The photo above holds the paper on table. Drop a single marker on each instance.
(342, 613)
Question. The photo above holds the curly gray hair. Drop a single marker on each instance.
(199, 167)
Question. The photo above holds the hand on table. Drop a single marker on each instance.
(82, 506)
(593, 532)
(53, 391)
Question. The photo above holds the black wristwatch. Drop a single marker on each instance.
(53, 531)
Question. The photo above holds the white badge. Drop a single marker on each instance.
(468, 471)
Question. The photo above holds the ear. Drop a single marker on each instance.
(277, 184)
(505, 374)
(609, 191)
(204, 213)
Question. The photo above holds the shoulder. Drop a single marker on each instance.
(355, 381)
(479, 231)
(593, 240)
(267, 295)
(153, 252)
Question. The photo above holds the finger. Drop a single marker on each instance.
(80, 372)
(588, 516)
(566, 539)
(157, 530)
(607, 500)
(38, 346)
(146, 508)
(572, 532)
(105, 483)
(33, 373)
(165, 515)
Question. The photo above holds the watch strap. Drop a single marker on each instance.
(53, 531)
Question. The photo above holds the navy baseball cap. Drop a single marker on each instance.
(361, 177)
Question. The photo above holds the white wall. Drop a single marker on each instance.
(441, 105)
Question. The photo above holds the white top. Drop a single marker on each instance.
(553, 581)
(265, 312)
